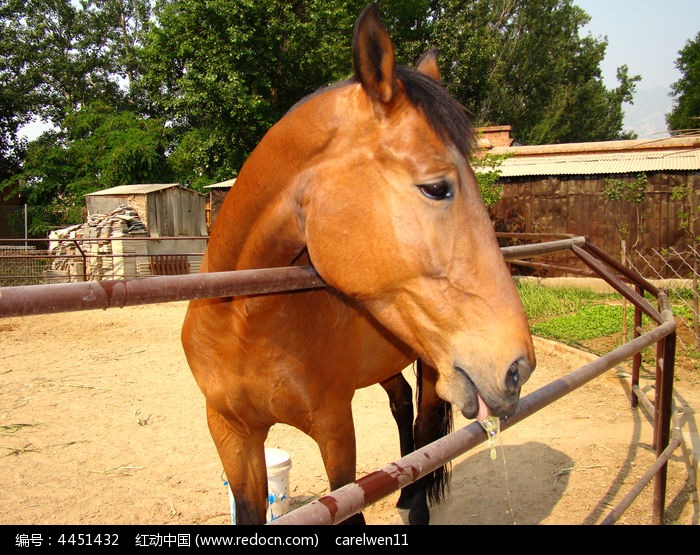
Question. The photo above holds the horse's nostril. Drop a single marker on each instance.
(513, 375)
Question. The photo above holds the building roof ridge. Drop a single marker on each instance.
(602, 147)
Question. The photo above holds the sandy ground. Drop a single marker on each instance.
(101, 423)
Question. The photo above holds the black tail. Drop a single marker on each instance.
(433, 422)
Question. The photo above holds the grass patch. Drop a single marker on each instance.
(593, 321)
(547, 302)
(588, 322)
(571, 315)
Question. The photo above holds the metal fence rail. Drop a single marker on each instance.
(346, 501)
(70, 259)
(24, 300)
(352, 498)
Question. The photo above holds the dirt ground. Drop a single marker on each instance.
(101, 423)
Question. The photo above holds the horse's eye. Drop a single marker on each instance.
(437, 191)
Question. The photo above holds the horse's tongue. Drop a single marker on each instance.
(483, 411)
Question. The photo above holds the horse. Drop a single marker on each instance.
(368, 181)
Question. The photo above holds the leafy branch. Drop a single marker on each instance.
(632, 193)
(487, 170)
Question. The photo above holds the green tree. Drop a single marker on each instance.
(223, 71)
(410, 24)
(487, 169)
(620, 195)
(98, 148)
(216, 74)
(71, 64)
(523, 63)
(59, 55)
(685, 114)
(15, 98)
(61, 52)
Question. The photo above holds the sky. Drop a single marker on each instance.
(647, 36)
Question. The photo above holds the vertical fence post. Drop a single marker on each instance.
(82, 253)
(662, 422)
(637, 357)
(26, 235)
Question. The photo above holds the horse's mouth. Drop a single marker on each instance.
(474, 406)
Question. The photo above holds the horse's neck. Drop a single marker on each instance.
(254, 231)
(259, 223)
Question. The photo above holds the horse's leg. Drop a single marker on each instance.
(335, 435)
(434, 420)
(401, 403)
(243, 457)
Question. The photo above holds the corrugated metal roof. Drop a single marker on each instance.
(222, 185)
(602, 163)
(134, 189)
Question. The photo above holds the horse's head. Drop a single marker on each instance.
(392, 217)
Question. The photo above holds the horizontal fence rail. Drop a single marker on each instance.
(352, 498)
(25, 300)
(70, 259)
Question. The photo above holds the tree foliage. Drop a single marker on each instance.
(523, 63)
(224, 71)
(70, 64)
(685, 114)
(487, 169)
(192, 85)
(63, 55)
(100, 148)
(620, 194)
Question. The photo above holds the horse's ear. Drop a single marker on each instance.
(427, 64)
(373, 56)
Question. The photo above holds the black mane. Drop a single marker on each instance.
(448, 117)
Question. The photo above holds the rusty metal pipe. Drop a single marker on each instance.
(538, 249)
(516, 235)
(663, 425)
(641, 397)
(631, 274)
(630, 294)
(38, 299)
(24, 300)
(544, 265)
(352, 498)
(652, 471)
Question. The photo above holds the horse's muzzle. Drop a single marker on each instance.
(517, 374)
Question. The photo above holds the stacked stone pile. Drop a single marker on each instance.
(104, 259)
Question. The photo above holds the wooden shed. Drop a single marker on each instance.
(562, 189)
(217, 194)
(166, 210)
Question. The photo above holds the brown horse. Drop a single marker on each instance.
(368, 181)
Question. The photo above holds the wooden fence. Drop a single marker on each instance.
(578, 205)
